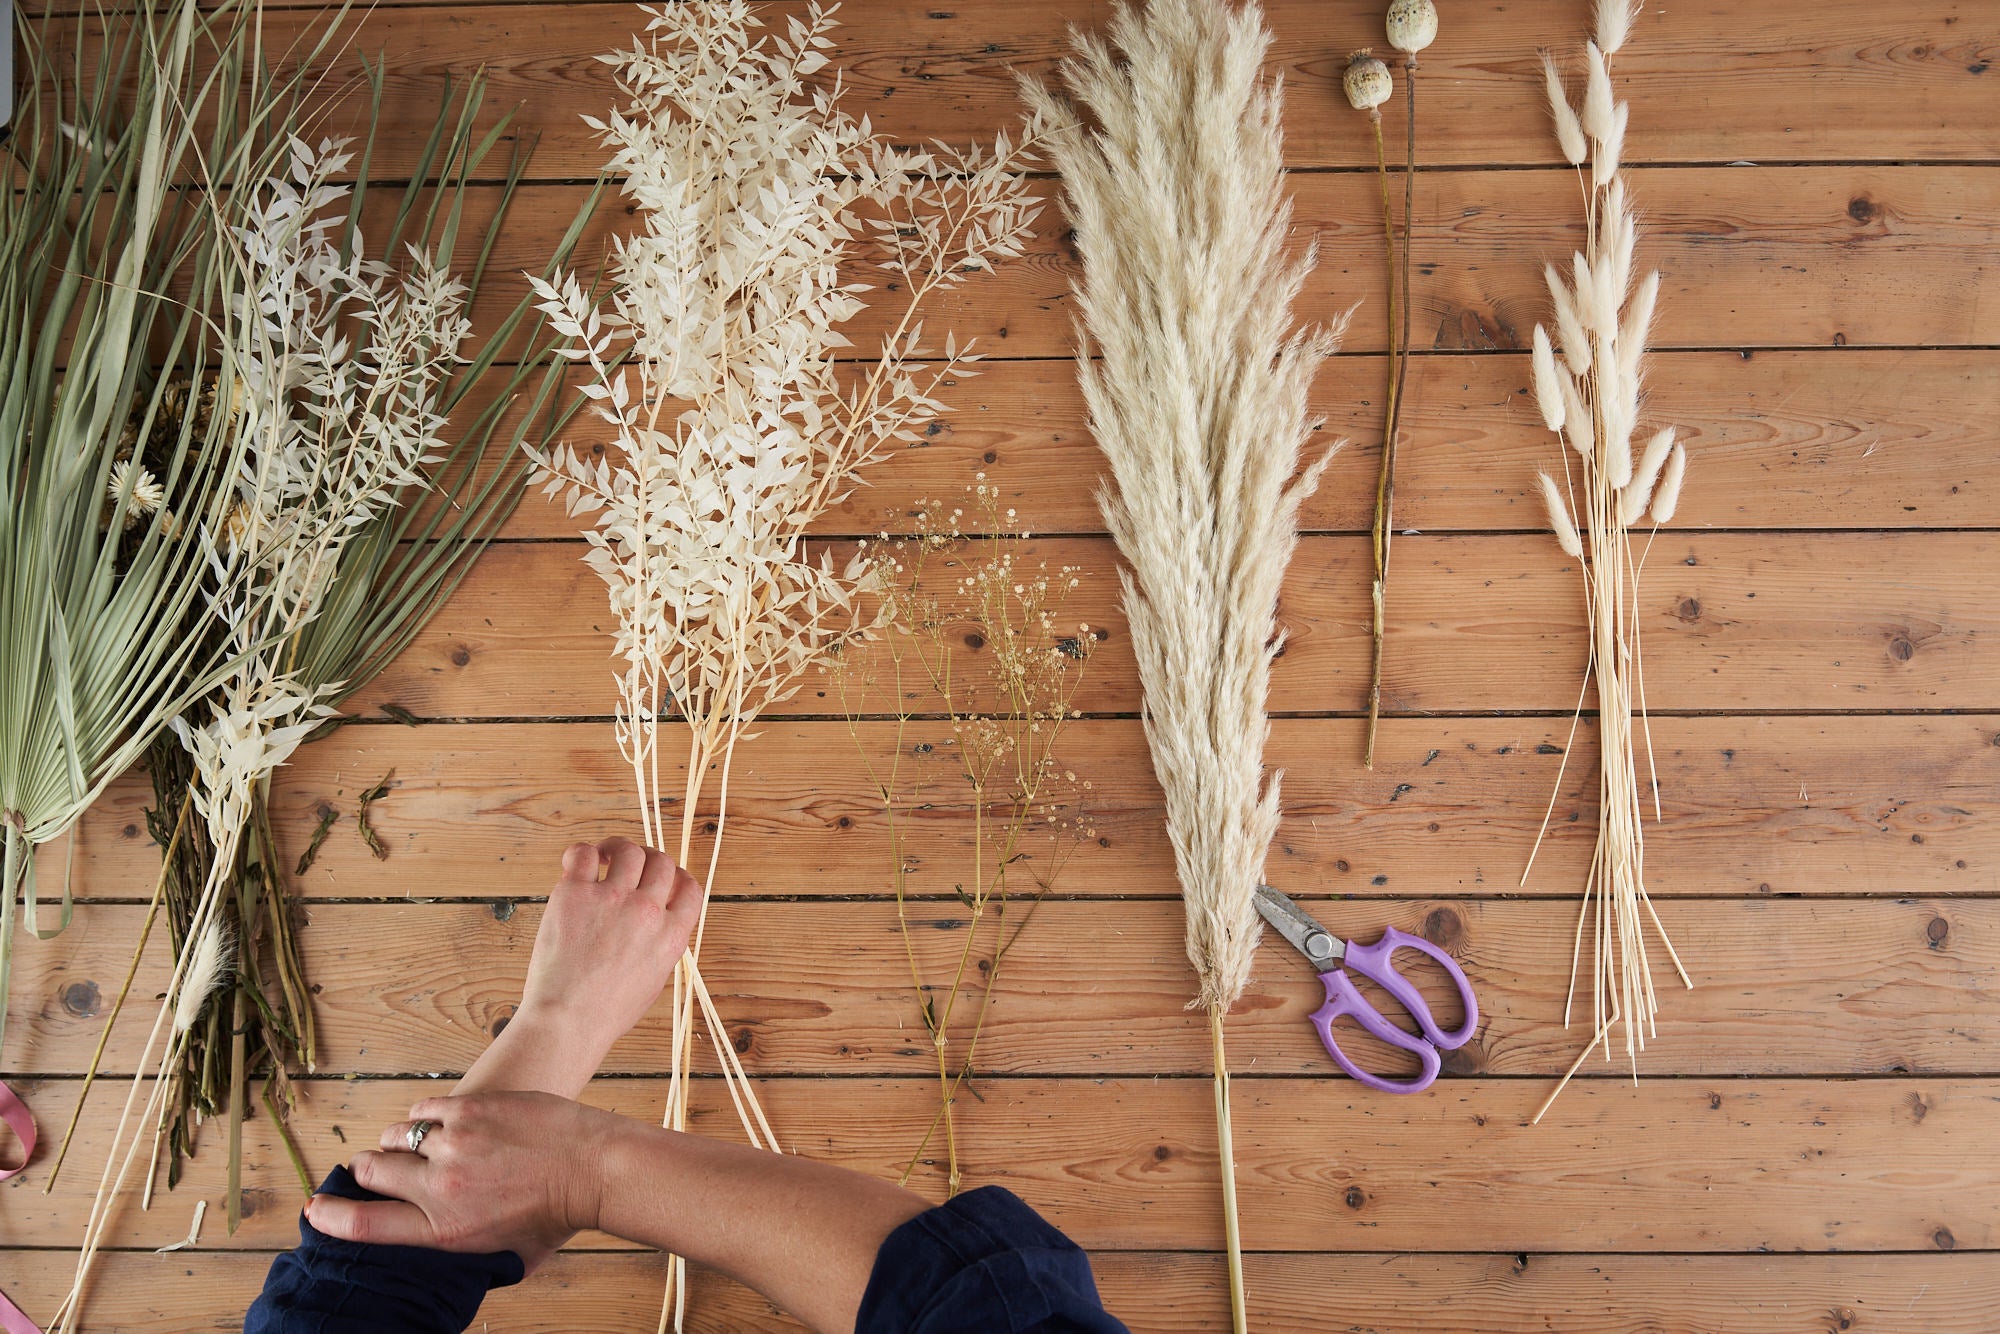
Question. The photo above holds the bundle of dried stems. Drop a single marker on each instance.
(1591, 394)
(388, 573)
(751, 188)
(1197, 397)
(974, 628)
(337, 375)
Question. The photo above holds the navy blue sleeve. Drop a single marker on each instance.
(982, 1263)
(330, 1286)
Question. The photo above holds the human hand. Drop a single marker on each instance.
(607, 948)
(518, 1172)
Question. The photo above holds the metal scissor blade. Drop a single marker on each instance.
(1321, 947)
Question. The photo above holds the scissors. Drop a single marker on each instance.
(1327, 953)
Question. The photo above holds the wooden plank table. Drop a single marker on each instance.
(1814, 1141)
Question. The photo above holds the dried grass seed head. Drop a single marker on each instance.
(1560, 522)
(1548, 389)
(205, 972)
(1569, 326)
(1668, 498)
(1632, 501)
(1569, 131)
(1596, 114)
(1614, 23)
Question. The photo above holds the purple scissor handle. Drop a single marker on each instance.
(1333, 958)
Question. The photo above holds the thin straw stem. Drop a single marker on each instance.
(1385, 478)
(1239, 1317)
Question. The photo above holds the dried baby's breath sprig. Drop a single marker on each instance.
(1198, 398)
(715, 361)
(1603, 319)
(974, 627)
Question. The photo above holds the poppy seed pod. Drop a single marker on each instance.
(1367, 81)
(1412, 25)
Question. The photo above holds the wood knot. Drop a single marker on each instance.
(81, 999)
(990, 456)
(1161, 1153)
(743, 1041)
(1919, 1108)
(500, 1024)
(1689, 610)
(1444, 928)
(1862, 209)
(1842, 1317)
(975, 642)
(461, 656)
(1901, 649)
(503, 911)
(129, 831)
(1356, 1197)
(1937, 931)
(1943, 1239)
(1467, 1060)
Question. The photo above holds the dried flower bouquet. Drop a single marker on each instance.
(1591, 395)
(717, 362)
(338, 376)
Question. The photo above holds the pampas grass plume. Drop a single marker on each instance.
(1548, 388)
(1569, 131)
(205, 972)
(1559, 521)
(1669, 497)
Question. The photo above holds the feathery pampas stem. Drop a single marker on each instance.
(735, 426)
(1198, 400)
(1591, 397)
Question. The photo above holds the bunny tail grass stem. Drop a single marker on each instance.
(1385, 478)
(1239, 1318)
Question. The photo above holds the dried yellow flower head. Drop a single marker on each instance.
(1412, 25)
(1367, 81)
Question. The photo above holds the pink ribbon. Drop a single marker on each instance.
(14, 1114)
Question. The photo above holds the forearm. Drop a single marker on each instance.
(537, 1053)
(804, 1234)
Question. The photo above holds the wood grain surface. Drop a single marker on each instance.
(591, 1293)
(1813, 1142)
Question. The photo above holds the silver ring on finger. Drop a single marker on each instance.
(419, 1129)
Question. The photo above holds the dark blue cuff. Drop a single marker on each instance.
(982, 1263)
(330, 1286)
